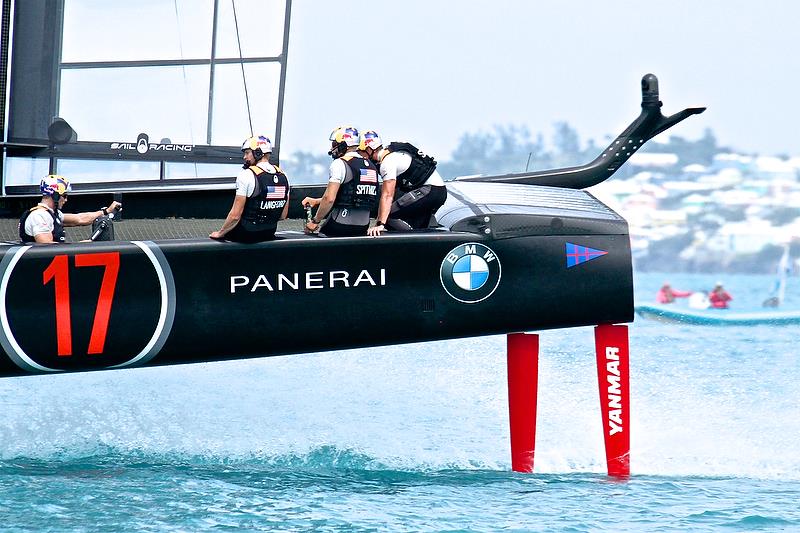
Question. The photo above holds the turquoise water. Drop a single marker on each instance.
(415, 438)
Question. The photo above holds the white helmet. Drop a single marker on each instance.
(260, 145)
(341, 139)
(345, 134)
(370, 139)
(55, 186)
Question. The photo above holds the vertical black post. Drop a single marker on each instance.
(5, 30)
(57, 32)
(35, 59)
(282, 86)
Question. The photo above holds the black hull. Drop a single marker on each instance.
(121, 304)
(520, 252)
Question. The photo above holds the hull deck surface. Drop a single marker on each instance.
(146, 229)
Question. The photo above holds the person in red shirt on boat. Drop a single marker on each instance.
(719, 297)
(666, 294)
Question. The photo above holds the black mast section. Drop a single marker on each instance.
(5, 31)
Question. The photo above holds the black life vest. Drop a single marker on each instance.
(58, 227)
(360, 187)
(262, 210)
(421, 167)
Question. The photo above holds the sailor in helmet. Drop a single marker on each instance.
(262, 196)
(405, 168)
(352, 189)
(45, 222)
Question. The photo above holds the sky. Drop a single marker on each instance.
(430, 71)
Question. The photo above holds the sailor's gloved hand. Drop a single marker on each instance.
(310, 202)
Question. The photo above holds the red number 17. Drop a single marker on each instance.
(58, 271)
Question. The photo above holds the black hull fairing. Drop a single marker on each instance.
(501, 263)
(647, 125)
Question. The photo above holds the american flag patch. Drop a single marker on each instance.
(368, 176)
(276, 192)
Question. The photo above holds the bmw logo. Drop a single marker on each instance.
(470, 272)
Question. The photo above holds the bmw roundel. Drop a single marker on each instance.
(470, 272)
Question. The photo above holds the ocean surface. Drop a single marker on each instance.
(415, 437)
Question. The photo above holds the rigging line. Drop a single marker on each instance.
(241, 62)
(183, 69)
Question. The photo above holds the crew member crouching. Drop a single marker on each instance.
(45, 222)
(352, 189)
(403, 166)
(262, 196)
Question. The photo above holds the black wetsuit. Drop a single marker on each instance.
(416, 208)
